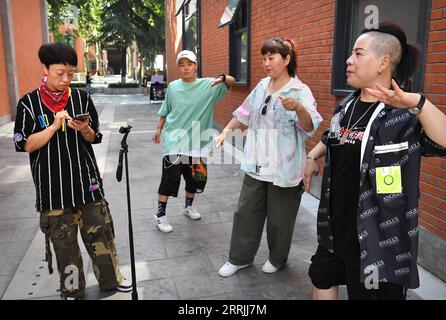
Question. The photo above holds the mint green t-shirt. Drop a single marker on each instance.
(189, 111)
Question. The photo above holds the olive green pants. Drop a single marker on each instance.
(96, 227)
(258, 201)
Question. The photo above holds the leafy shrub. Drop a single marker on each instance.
(77, 85)
(123, 85)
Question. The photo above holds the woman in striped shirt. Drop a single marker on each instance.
(69, 190)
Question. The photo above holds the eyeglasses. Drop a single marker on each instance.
(267, 100)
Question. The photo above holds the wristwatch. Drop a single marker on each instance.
(417, 109)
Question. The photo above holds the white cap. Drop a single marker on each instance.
(188, 55)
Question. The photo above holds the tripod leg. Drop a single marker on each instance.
(132, 250)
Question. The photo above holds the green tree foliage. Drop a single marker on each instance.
(58, 13)
(115, 22)
(84, 13)
(90, 21)
(142, 21)
(151, 25)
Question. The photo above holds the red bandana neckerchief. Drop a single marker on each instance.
(53, 100)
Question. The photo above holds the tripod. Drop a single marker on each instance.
(124, 151)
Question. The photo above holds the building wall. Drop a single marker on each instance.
(215, 57)
(313, 35)
(173, 33)
(80, 49)
(311, 24)
(433, 170)
(28, 39)
(4, 97)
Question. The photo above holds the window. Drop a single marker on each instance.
(350, 18)
(237, 15)
(228, 14)
(191, 25)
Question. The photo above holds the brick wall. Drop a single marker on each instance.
(311, 24)
(313, 35)
(4, 98)
(215, 56)
(28, 39)
(80, 49)
(173, 47)
(433, 170)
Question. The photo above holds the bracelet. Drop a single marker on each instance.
(311, 158)
(222, 76)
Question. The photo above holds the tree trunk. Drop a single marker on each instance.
(165, 66)
(142, 68)
(124, 65)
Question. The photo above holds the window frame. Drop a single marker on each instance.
(234, 66)
(186, 16)
(222, 22)
(345, 10)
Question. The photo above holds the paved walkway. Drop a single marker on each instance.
(179, 265)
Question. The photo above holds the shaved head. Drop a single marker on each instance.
(385, 44)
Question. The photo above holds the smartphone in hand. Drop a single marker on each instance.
(81, 117)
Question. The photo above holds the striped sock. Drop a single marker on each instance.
(188, 202)
(161, 209)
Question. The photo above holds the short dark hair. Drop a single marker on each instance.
(409, 56)
(284, 47)
(56, 53)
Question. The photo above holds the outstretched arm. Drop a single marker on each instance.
(431, 118)
(227, 79)
(434, 123)
(232, 125)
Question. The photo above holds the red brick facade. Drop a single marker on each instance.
(312, 24)
(4, 98)
(433, 170)
(27, 37)
(173, 45)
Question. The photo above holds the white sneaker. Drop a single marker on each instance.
(192, 213)
(163, 224)
(269, 268)
(229, 269)
(124, 286)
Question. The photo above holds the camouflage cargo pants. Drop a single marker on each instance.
(96, 227)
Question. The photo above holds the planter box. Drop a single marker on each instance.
(119, 90)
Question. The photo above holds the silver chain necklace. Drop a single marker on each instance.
(347, 130)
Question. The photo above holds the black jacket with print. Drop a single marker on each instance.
(387, 224)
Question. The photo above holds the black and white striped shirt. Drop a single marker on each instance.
(64, 171)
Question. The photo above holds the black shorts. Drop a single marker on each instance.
(328, 270)
(194, 171)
